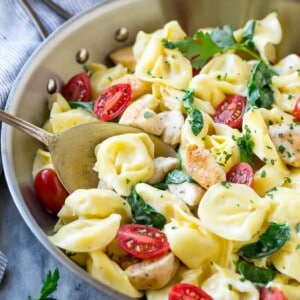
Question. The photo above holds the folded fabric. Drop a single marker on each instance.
(19, 37)
(3, 263)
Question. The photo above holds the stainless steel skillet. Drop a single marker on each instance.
(95, 31)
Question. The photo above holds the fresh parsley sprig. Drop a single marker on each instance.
(204, 45)
(49, 286)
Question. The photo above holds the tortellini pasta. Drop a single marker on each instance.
(234, 212)
(85, 235)
(123, 161)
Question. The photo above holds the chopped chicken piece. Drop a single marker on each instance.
(138, 114)
(138, 86)
(200, 164)
(125, 57)
(172, 122)
(153, 273)
(286, 139)
(189, 192)
(162, 166)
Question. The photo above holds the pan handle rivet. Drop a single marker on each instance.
(121, 34)
(51, 86)
(82, 56)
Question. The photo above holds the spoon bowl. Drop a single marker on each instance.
(73, 151)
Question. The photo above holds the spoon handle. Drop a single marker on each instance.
(36, 132)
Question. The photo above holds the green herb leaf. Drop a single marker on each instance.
(257, 275)
(223, 38)
(49, 286)
(160, 185)
(143, 213)
(248, 35)
(259, 92)
(178, 176)
(246, 145)
(148, 114)
(89, 106)
(269, 242)
(198, 49)
(194, 114)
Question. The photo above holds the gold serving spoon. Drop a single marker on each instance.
(73, 151)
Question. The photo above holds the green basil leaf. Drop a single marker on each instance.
(257, 275)
(269, 242)
(160, 185)
(89, 106)
(178, 176)
(143, 213)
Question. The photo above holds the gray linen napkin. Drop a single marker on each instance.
(19, 38)
(3, 263)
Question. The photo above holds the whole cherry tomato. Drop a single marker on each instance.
(230, 111)
(241, 173)
(49, 190)
(113, 101)
(271, 294)
(186, 291)
(142, 241)
(78, 88)
(296, 112)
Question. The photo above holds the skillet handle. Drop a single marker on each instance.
(37, 21)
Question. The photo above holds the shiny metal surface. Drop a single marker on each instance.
(95, 31)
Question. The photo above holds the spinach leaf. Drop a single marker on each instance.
(269, 242)
(248, 35)
(160, 185)
(194, 114)
(143, 213)
(246, 145)
(89, 106)
(259, 93)
(178, 176)
(257, 275)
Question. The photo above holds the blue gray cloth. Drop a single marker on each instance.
(19, 37)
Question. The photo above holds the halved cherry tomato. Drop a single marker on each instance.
(142, 241)
(296, 112)
(241, 173)
(230, 111)
(78, 88)
(271, 293)
(186, 291)
(49, 190)
(113, 101)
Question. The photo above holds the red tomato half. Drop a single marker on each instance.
(50, 190)
(271, 294)
(186, 291)
(113, 101)
(78, 88)
(142, 241)
(230, 111)
(296, 112)
(241, 173)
